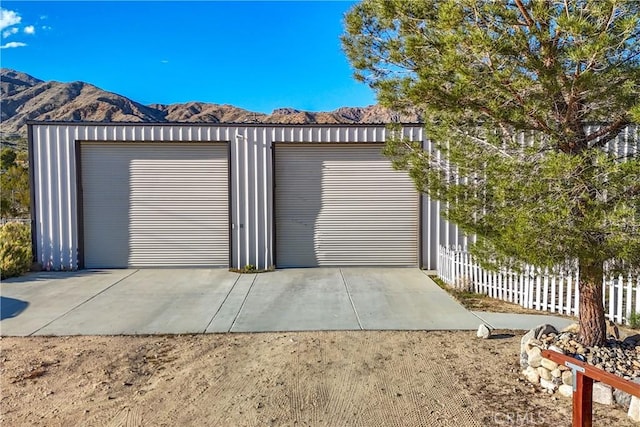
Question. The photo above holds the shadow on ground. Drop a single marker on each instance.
(41, 276)
(11, 307)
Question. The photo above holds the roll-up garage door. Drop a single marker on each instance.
(340, 205)
(154, 204)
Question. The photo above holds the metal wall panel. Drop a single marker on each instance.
(155, 204)
(53, 149)
(343, 204)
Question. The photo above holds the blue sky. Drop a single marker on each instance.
(254, 55)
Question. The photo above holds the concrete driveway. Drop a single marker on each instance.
(176, 301)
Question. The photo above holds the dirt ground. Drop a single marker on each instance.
(354, 378)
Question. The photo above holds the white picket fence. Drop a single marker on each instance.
(535, 288)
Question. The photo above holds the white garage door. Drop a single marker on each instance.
(155, 204)
(343, 205)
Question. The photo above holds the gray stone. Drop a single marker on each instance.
(535, 361)
(535, 333)
(566, 390)
(524, 360)
(567, 378)
(634, 409)
(602, 393)
(623, 398)
(484, 331)
(548, 385)
(544, 330)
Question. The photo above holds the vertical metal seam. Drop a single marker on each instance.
(79, 204)
(274, 238)
(229, 205)
(32, 193)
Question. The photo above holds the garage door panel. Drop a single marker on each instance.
(155, 204)
(343, 205)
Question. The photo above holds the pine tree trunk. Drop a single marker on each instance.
(592, 320)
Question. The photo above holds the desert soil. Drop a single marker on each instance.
(354, 378)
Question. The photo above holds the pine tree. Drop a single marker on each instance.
(521, 99)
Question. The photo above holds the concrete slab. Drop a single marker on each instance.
(224, 318)
(297, 300)
(404, 299)
(522, 321)
(150, 302)
(176, 301)
(33, 301)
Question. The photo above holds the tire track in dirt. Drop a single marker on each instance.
(356, 385)
(127, 417)
(446, 391)
(226, 384)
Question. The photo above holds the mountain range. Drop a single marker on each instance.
(23, 98)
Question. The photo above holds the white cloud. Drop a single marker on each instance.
(46, 27)
(29, 29)
(10, 31)
(165, 61)
(12, 45)
(8, 18)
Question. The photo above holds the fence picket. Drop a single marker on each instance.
(535, 288)
(561, 291)
(619, 298)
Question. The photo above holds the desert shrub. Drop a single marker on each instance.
(15, 250)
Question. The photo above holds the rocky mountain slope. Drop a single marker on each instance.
(23, 98)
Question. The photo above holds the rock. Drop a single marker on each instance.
(623, 398)
(574, 328)
(556, 349)
(549, 364)
(545, 330)
(634, 409)
(524, 360)
(535, 361)
(567, 378)
(556, 373)
(534, 351)
(632, 340)
(544, 373)
(602, 393)
(484, 332)
(548, 385)
(535, 333)
(531, 374)
(566, 390)
(612, 330)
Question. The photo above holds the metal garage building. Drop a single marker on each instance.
(181, 194)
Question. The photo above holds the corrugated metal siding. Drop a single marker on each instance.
(53, 148)
(343, 205)
(155, 204)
